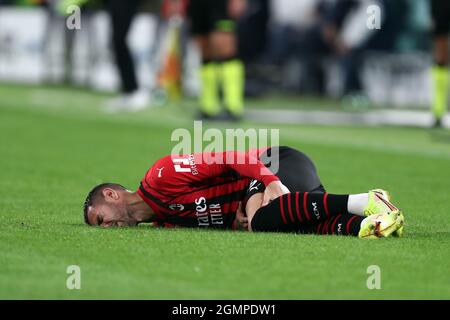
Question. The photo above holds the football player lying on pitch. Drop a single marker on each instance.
(192, 191)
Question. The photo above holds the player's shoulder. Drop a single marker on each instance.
(159, 168)
(165, 168)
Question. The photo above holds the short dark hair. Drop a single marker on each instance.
(95, 194)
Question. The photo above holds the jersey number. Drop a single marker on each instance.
(177, 165)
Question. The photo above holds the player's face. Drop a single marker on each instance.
(110, 215)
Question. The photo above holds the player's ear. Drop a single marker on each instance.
(110, 194)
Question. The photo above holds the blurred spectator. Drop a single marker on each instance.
(252, 30)
(314, 31)
(440, 11)
(169, 48)
(132, 98)
(213, 25)
(57, 12)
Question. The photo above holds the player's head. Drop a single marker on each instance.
(106, 206)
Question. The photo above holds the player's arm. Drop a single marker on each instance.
(248, 165)
(244, 218)
(184, 171)
(202, 167)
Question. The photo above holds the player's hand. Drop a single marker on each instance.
(241, 218)
(274, 190)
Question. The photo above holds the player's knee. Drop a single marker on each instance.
(253, 224)
(252, 206)
(259, 221)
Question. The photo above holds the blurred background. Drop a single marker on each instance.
(312, 54)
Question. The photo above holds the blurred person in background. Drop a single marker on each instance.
(132, 97)
(343, 32)
(213, 26)
(58, 11)
(169, 49)
(253, 35)
(333, 30)
(440, 11)
(291, 22)
(252, 30)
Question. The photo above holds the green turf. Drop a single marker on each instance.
(56, 144)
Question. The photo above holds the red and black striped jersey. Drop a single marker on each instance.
(201, 189)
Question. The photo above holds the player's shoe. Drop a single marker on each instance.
(379, 202)
(400, 231)
(381, 225)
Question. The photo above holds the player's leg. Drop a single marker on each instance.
(325, 213)
(375, 226)
(294, 168)
(340, 225)
(308, 206)
(372, 227)
(298, 173)
(209, 77)
(296, 209)
(223, 41)
(440, 75)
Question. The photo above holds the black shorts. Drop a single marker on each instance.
(295, 170)
(440, 13)
(209, 15)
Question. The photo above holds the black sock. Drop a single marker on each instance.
(341, 224)
(292, 210)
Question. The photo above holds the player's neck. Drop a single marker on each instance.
(138, 209)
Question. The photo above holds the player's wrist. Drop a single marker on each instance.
(268, 179)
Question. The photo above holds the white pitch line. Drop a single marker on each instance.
(370, 118)
(378, 147)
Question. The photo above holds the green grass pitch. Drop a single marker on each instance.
(56, 144)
